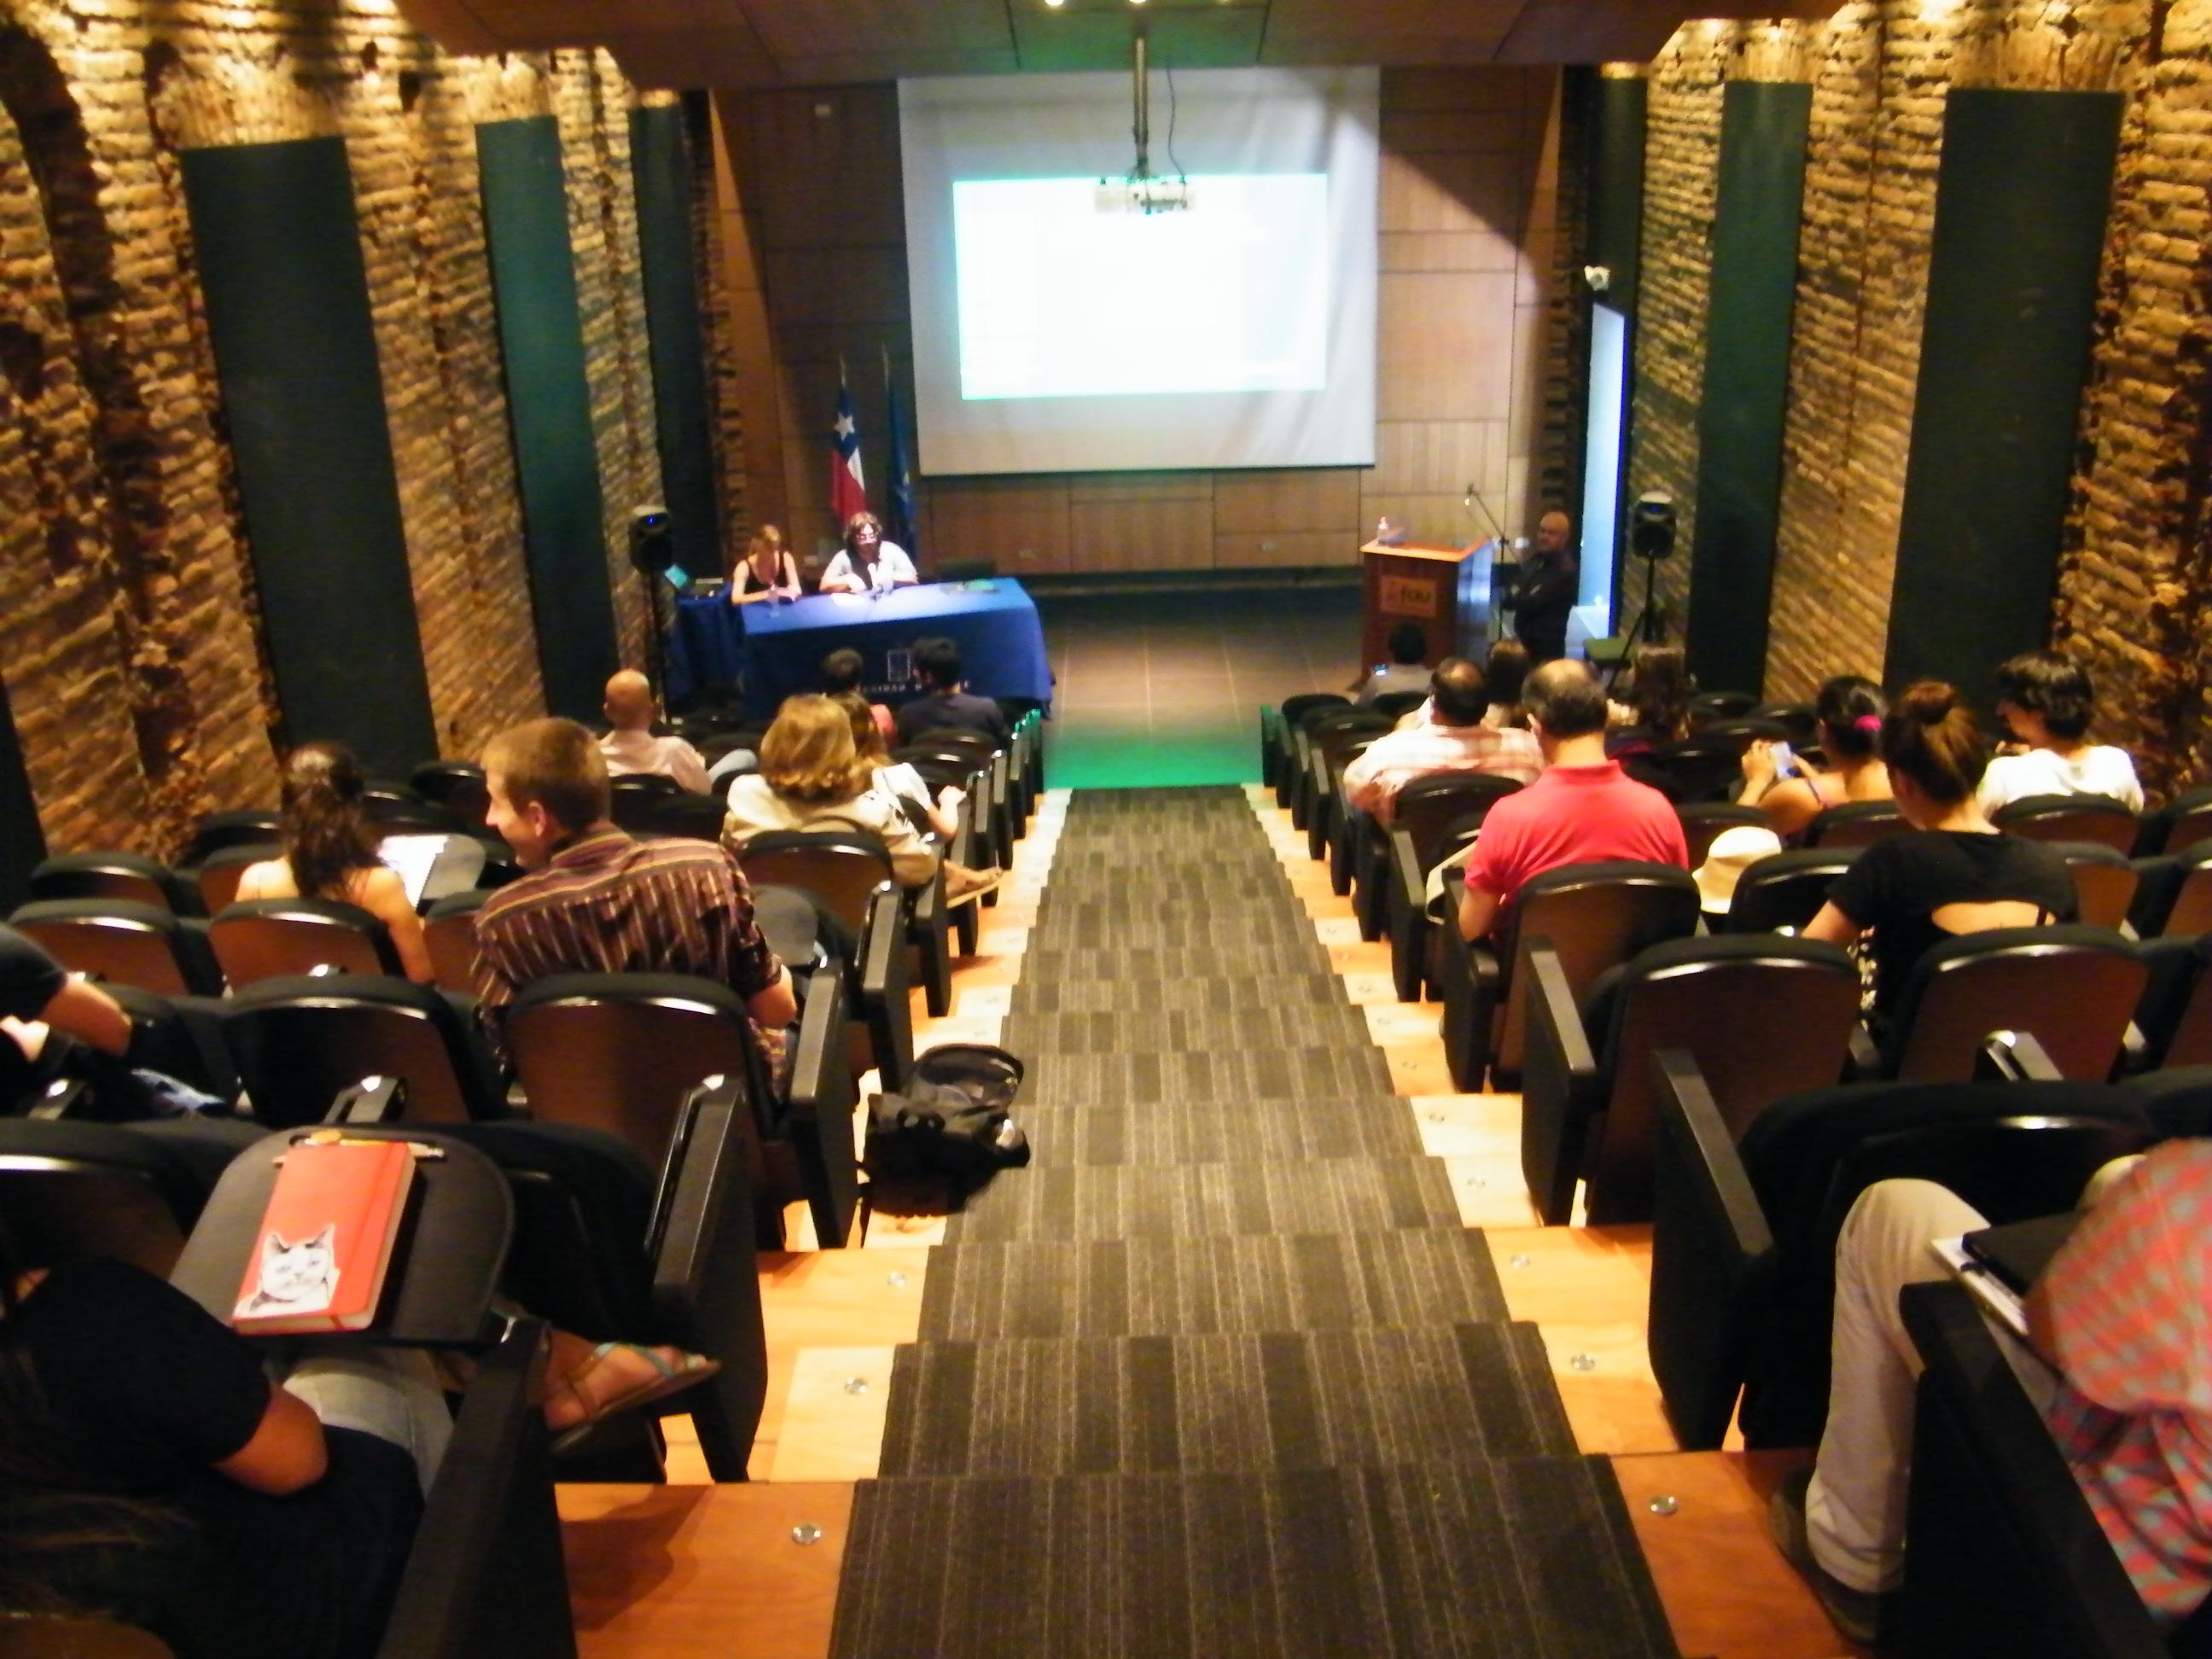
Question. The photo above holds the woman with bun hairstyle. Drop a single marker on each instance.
(330, 854)
(1958, 874)
(1850, 710)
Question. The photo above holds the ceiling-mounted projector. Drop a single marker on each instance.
(1137, 194)
(1140, 192)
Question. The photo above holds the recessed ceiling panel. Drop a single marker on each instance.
(837, 28)
(1218, 37)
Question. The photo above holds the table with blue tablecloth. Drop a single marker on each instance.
(778, 648)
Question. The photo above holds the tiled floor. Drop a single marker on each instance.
(1166, 687)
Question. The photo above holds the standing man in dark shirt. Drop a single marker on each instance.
(943, 703)
(1551, 582)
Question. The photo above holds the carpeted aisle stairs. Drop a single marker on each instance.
(1222, 1373)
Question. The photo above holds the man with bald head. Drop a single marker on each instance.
(630, 746)
(1550, 583)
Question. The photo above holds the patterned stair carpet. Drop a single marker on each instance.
(1221, 1373)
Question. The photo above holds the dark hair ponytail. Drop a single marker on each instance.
(1850, 708)
(325, 833)
(1933, 738)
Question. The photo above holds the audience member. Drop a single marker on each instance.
(1452, 739)
(1407, 645)
(946, 702)
(1505, 672)
(51, 1021)
(1959, 874)
(939, 815)
(1850, 710)
(1658, 707)
(630, 750)
(841, 674)
(2115, 1362)
(151, 1469)
(867, 563)
(2045, 702)
(1583, 808)
(592, 900)
(768, 569)
(330, 854)
(1549, 584)
(812, 778)
(1734, 851)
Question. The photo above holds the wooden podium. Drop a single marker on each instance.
(1445, 590)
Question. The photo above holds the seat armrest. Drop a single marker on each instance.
(485, 1573)
(372, 1100)
(1408, 882)
(927, 933)
(64, 1098)
(2006, 1555)
(2014, 1057)
(818, 1110)
(1560, 1088)
(1712, 1259)
(706, 1291)
(884, 983)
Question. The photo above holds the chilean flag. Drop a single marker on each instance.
(849, 489)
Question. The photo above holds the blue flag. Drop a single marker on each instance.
(899, 504)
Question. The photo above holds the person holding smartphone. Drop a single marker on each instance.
(1791, 793)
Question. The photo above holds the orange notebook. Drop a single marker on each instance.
(326, 1237)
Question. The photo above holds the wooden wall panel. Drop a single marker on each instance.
(1465, 214)
(1023, 523)
(1135, 534)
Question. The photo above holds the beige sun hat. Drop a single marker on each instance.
(1733, 851)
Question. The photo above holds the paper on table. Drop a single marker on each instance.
(1996, 1296)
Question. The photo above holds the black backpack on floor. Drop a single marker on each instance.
(953, 1121)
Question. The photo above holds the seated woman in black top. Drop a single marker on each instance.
(1959, 874)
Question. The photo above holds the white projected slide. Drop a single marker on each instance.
(1055, 332)
(1225, 296)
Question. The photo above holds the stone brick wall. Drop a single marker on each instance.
(1681, 164)
(2135, 589)
(134, 662)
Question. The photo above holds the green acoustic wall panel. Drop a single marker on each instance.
(288, 309)
(23, 843)
(556, 460)
(2021, 199)
(681, 409)
(1616, 204)
(1748, 309)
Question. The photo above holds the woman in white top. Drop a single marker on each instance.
(2046, 702)
(811, 777)
(899, 778)
(329, 853)
(867, 563)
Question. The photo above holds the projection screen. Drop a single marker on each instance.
(1052, 336)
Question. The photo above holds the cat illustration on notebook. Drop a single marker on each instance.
(295, 1278)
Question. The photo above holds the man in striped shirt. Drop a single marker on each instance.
(2120, 1326)
(1450, 737)
(595, 901)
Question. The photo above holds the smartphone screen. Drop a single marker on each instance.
(1785, 763)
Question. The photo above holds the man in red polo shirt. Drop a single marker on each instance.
(1583, 808)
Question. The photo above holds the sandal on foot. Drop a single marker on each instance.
(667, 1379)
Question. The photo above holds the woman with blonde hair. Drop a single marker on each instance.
(766, 571)
(900, 780)
(812, 777)
(328, 852)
